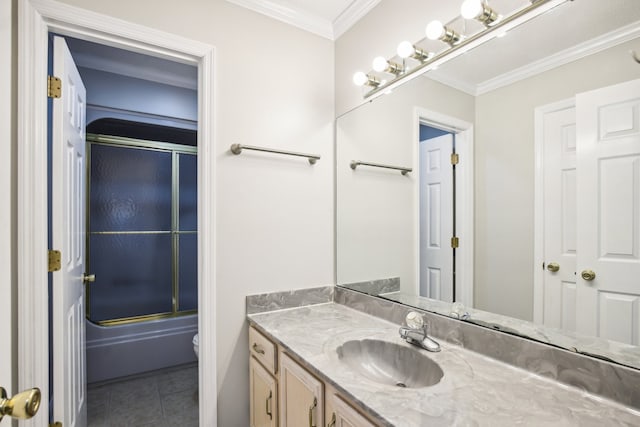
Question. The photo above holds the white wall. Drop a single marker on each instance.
(505, 174)
(8, 280)
(274, 87)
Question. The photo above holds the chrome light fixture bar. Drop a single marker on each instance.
(536, 8)
(480, 11)
(381, 65)
(437, 31)
(408, 50)
(361, 79)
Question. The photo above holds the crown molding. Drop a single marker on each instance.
(352, 14)
(309, 22)
(305, 21)
(445, 79)
(606, 41)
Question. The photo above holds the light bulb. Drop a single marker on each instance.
(360, 78)
(405, 49)
(471, 9)
(379, 64)
(435, 30)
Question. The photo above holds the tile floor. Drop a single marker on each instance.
(164, 398)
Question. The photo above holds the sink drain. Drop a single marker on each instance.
(403, 385)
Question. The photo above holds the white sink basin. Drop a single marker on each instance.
(390, 364)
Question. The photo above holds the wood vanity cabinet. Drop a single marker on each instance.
(282, 392)
(263, 386)
(263, 396)
(301, 395)
(339, 413)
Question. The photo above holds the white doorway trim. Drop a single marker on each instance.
(36, 18)
(8, 289)
(464, 196)
(538, 213)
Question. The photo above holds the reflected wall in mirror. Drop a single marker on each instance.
(528, 191)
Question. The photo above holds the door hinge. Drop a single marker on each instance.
(54, 260)
(455, 242)
(56, 424)
(455, 158)
(54, 87)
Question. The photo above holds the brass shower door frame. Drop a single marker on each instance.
(175, 150)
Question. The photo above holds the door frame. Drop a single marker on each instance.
(538, 207)
(464, 197)
(36, 18)
(8, 289)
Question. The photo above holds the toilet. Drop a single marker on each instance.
(196, 343)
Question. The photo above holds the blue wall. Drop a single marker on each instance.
(128, 98)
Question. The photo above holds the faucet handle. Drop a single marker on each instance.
(414, 320)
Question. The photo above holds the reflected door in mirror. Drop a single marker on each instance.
(609, 212)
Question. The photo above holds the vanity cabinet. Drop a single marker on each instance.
(284, 393)
(302, 395)
(263, 385)
(263, 396)
(338, 413)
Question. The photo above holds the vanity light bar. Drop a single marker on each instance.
(536, 8)
(480, 11)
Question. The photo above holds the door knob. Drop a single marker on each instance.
(553, 267)
(588, 275)
(88, 278)
(22, 406)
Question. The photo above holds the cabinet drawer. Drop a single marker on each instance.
(341, 413)
(262, 349)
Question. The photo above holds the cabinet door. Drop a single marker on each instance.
(341, 414)
(301, 398)
(263, 396)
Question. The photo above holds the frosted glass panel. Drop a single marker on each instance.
(133, 275)
(188, 271)
(188, 192)
(130, 189)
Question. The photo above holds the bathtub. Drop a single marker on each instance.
(118, 351)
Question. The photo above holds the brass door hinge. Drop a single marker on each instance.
(54, 260)
(455, 158)
(455, 242)
(54, 87)
(56, 424)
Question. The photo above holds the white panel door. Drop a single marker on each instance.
(560, 215)
(436, 218)
(608, 202)
(68, 229)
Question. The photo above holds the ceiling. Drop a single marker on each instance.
(326, 18)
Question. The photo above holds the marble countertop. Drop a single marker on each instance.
(474, 391)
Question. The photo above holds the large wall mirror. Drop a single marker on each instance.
(534, 213)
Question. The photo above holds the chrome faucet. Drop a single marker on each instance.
(416, 331)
